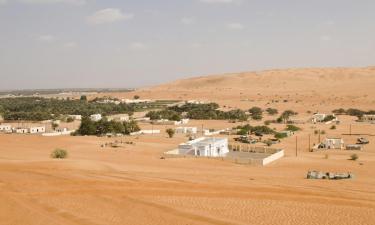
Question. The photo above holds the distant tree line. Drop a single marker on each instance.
(208, 111)
(38, 109)
(103, 126)
(353, 112)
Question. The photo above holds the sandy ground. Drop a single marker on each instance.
(132, 185)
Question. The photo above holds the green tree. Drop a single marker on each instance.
(170, 132)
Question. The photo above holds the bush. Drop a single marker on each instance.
(281, 135)
(333, 127)
(292, 128)
(69, 120)
(339, 111)
(272, 111)
(59, 154)
(354, 157)
(170, 132)
(256, 113)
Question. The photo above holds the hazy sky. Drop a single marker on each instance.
(132, 43)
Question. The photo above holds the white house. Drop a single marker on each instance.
(96, 117)
(333, 143)
(368, 118)
(36, 130)
(75, 117)
(5, 128)
(205, 147)
(186, 130)
(318, 117)
(135, 101)
(145, 132)
(119, 117)
(21, 130)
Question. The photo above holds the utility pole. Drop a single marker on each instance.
(202, 131)
(319, 137)
(296, 146)
(350, 129)
(309, 142)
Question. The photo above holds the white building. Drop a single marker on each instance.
(135, 101)
(36, 130)
(96, 117)
(333, 143)
(368, 118)
(318, 117)
(21, 130)
(119, 117)
(5, 128)
(205, 147)
(75, 117)
(186, 130)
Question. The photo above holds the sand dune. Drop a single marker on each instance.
(317, 89)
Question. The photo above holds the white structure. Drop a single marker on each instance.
(181, 122)
(205, 147)
(145, 132)
(119, 117)
(96, 117)
(21, 130)
(197, 102)
(186, 130)
(36, 130)
(135, 101)
(318, 117)
(75, 117)
(5, 128)
(333, 143)
(214, 132)
(368, 118)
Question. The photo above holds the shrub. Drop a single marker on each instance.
(323, 132)
(339, 111)
(292, 128)
(354, 157)
(256, 113)
(281, 135)
(69, 120)
(170, 132)
(267, 122)
(272, 111)
(136, 97)
(329, 118)
(333, 127)
(59, 154)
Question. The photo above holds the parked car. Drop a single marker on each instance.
(362, 141)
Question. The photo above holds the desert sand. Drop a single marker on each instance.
(132, 185)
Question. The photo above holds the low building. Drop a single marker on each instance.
(368, 118)
(75, 117)
(145, 132)
(205, 147)
(119, 117)
(21, 130)
(354, 147)
(333, 143)
(136, 101)
(5, 128)
(186, 130)
(36, 130)
(96, 117)
(318, 117)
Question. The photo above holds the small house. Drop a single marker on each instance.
(368, 118)
(205, 147)
(96, 117)
(5, 128)
(186, 130)
(333, 143)
(21, 130)
(36, 130)
(75, 117)
(119, 117)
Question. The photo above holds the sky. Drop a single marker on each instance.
(134, 43)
